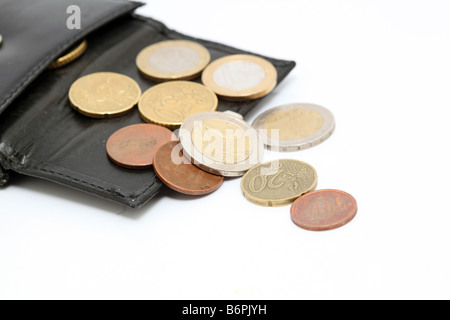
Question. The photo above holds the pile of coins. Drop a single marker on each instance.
(207, 145)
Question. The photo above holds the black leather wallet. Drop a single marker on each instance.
(40, 134)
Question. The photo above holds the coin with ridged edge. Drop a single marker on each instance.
(278, 183)
(295, 126)
(104, 94)
(240, 77)
(173, 60)
(324, 210)
(175, 171)
(169, 104)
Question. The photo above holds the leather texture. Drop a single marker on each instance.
(42, 136)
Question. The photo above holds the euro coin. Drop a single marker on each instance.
(134, 147)
(176, 172)
(324, 210)
(104, 95)
(169, 104)
(295, 126)
(173, 60)
(278, 183)
(70, 56)
(220, 143)
(240, 77)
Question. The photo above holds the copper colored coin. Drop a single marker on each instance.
(323, 210)
(134, 147)
(179, 174)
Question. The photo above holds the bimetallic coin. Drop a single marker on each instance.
(278, 183)
(324, 210)
(173, 60)
(240, 77)
(104, 95)
(73, 54)
(220, 143)
(169, 104)
(134, 147)
(295, 126)
(175, 171)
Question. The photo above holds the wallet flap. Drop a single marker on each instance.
(42, 27)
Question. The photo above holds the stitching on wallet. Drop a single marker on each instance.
(90, 184)
(47, 58)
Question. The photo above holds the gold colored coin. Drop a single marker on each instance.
(169, 104)
(173, 60)
(73, 54)
(222, 141)
(306, 123)
(278, 183)
(240, 77)
(104, 94)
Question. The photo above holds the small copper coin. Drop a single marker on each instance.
(174, 170)
(134, 147)
(324, 210)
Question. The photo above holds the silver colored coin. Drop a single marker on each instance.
(173, 60)
(221, 143)
(1, 40)
(294, 127)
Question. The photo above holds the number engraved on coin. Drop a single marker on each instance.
(169, 104)
(278, 183)
(265, 182)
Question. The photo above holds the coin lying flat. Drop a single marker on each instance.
(70, 56)
(240, 77)
(169, 104)
(134, 147)
(104, 94)
(180, 175)
(295, 126)
(173, 60)
(278, 183)
(220, 143)
(324, 210)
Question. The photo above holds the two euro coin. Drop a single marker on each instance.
(220, 143)
(295, 126)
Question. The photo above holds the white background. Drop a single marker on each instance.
(382, 68)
